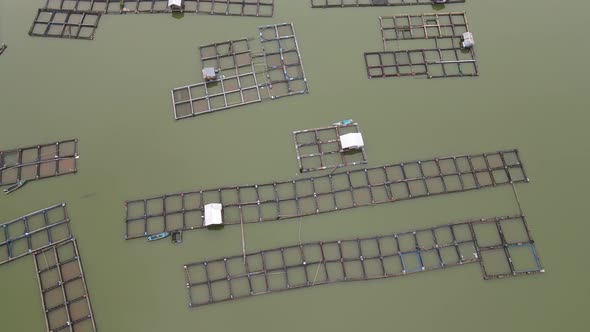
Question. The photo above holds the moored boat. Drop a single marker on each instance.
(15, 186)
(158, 236)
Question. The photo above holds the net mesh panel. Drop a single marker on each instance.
(63, 288)
(320, 148)
(34, 231)
(399, 254)
(326, 193)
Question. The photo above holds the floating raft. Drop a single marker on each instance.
(373, 3)
(34, 231)
(445, 58)
(38, 162)
(327, 193)
(503, 247)
(257, 8)
(58, 23)
(244, 75)
(64, 294)
(321, 148)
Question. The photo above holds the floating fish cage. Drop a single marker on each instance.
(246, 74)
(326, 193)
(445, 56)
(78, 19)
(323, 148)
(38, 162)
(376, 3)
(256, 8)
(34, 231)
(64, 294)
(503, 247)
(58, 23)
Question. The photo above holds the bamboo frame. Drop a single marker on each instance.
(399, 254)
(34, 231)
(61, 274)
(38, 162)
(256, 8)
(320, 148)
(327, 193)
(59, 23)
(373, 3)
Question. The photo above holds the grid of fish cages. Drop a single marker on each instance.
(422, 26)
(64, 294)
(244, 74)
(374, 3)
(503, 246)
(38, 162)
(57, 23)
(449, 50)
(321, 148)
(34, 231)
(256, 8)
(327, 193)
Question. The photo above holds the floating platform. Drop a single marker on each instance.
(245, 76)
(327, 193)
(34, 231)
(321, 148)
(64, 294)
(58, 23)
(373, 3)
(503, 247)
(256, 8)
(445, 56)
(38, 162)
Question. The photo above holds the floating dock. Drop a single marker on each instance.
(245, 75)
(327, 193)
(321, 148)
(34, 231)
(38, 162)
(373, 3)
(445, 57)
(503, 247)
(64, 294)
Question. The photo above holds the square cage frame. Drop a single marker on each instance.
(326, 141)
(38, 162)
(62, 273)
(34, 231)
(319, 263)
(83, 24)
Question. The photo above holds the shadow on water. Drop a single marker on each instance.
(215, 227)
(178, 15)
(438, 7)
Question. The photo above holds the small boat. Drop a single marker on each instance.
(177, 237)
(343, 122)
(158, 236)
(15, 186)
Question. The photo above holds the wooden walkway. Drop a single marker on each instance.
(503, 247)
(373, 3)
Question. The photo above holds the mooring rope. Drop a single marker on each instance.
(517, 199)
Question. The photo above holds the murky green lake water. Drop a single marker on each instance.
(113, 94)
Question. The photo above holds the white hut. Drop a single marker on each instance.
(213, 214)
(351, 141)
(175, 5)
(467, 40)
(209, 74)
